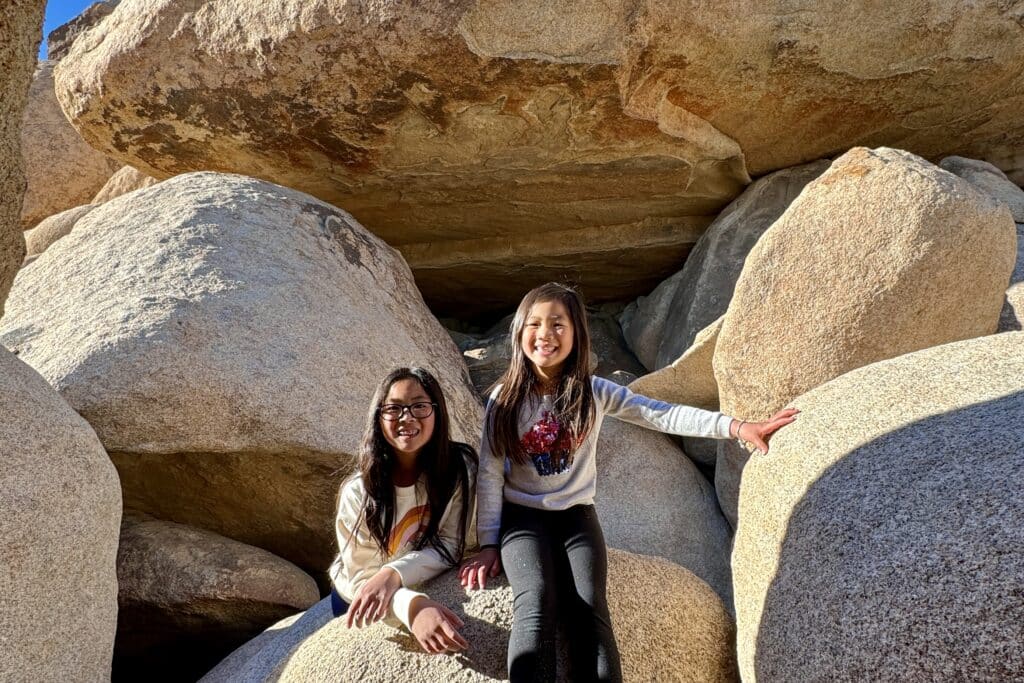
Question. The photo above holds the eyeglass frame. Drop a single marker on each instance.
(405, 409)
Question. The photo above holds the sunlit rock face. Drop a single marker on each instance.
(887, 548)
(499, 143)
(487, 139)
(792, 82)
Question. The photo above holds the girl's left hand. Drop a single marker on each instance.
(373, 599)
(758, 433)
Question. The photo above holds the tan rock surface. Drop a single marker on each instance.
(888, 548)
(486, 141)
(993, 182)
(670, 626)
(58, 536)
(789, 84)
(690, 380)
(62, 170)
(125, 180)
(187, 597)
(702, 293)
(51, 229)
(1012, 315)
(20, 28)
(651, 499)
(882, 255)
(224, 336)
(990, 180)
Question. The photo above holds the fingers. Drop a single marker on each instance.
(481, 575)
(452, 617)
(353, 610)
(382, 611)
(366, 610)
(496, 567)
(454, 641)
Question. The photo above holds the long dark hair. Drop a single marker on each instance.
(444, 463)
(574, 396)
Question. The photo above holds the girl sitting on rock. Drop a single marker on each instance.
(537, 479)
(403, 517)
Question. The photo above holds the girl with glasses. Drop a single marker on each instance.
(404, 516)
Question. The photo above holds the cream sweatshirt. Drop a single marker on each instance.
(359, 557)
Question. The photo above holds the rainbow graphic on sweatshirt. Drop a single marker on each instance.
(409, 529)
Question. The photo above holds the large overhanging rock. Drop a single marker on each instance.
(224, 336)
(880, 538)
(499, 143)
(791, 84)
(60, 39)
(58, 536)
(881, 255)
(486, 141)
(63, 171)
(669, 625)
(20, 28)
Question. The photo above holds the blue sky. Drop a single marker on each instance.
(60, 12)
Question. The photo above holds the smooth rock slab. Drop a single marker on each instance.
(63, 171)
(881, 255)
(187, 597)
(20, 29)
(989, 180)
(670, 626)
(61, 508)
(888, 548)
(788, 84)
(224, 336)
(125, 180)
(51, 229)
(1012, 315)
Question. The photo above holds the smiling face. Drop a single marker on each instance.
(547, 338)
(408, 434)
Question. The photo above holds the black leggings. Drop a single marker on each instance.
(556, 561)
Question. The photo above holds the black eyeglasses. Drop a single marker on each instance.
(394, 411)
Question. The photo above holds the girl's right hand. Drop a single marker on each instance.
(436, 627)
(475, 570)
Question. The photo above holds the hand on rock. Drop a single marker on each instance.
(373, 599)
(475, 570)
(758, 433)
(436, 627)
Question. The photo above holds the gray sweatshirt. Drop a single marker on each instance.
(558, 477)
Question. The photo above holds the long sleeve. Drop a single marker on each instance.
(621, 403)
(490, 486)
(359, 557)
